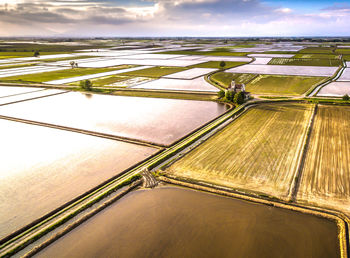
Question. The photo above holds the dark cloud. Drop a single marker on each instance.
(165, 17)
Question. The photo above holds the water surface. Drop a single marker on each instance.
(177, 222)
(43, 168)
(161, 121)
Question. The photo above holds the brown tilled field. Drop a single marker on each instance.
(259, 152)
(326, 174)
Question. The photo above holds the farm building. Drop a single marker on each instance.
(234, 87)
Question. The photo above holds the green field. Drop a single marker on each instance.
(154, 72)
(317, 50)
(305, 61)
(29, 48)
(9, 66)
(225, 79)
(99, 82)
(216, 64)
(258, 152)
(282, 84)
(204, 53)
(4, 55)
(317, 56)
(344, 51)
(57, 75)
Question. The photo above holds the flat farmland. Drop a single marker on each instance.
(154, 72)
(225, 79)
(258, 152)
(345, 75)
(156, 120)
(282, 85)
(335, 89)
(6, 91)
(47, 73)
(198, 84)
(43, 168)
(326, 174)
(305, 61)
(318, 56)
(216, 64)
(298, 70)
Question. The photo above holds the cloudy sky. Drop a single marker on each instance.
(174, 18)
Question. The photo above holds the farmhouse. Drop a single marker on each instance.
(236, 88)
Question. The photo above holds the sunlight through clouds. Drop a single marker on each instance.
(172, 18)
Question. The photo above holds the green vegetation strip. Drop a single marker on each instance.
(305, 62)
(154, 72)
(57, 75)
(216, 64)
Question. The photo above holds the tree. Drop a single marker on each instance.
(222, 64)
(221, 94)
(72, 64)
(346, 97)
(86, 85)
(229, 95)
(36, 53)
(239, 98)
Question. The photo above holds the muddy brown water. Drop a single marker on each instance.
(177, 222)
(43, 168)
(161, 121)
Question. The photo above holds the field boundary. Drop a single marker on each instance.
(83, 131)
(39, 97)
(293, 190)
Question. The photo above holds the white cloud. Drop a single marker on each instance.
(167, 18)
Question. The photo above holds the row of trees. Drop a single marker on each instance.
(230, 96)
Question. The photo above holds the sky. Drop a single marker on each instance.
(172, 18)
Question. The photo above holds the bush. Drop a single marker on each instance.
(346, 97)
(222, 64)
(221, 94)
(239, 98)
(229, 95)
(36, 53)
(86, 85)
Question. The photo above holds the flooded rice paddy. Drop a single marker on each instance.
(10, 91)
(29, 95)
(336, 89)
(43, 168)
(285, 70)
(160, 121)
(177, 222)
